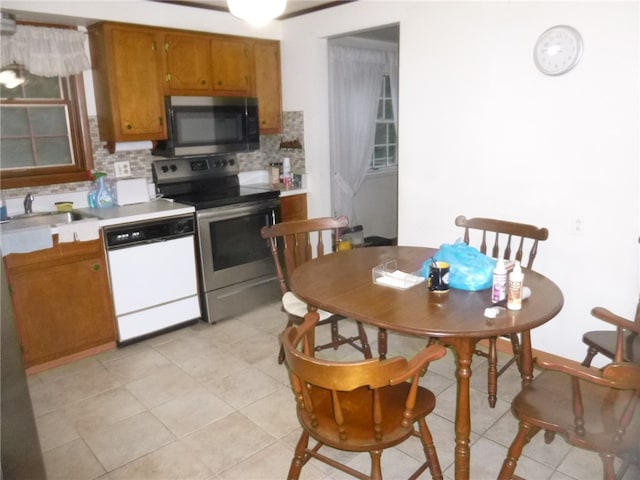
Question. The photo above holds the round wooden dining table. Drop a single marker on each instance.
(342, 283)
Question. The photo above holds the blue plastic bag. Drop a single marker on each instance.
(469, 268)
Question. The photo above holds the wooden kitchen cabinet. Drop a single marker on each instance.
(294, 207)
(127, 78)
(268, 85)
(231, 64)
(201, 65)
(187, 64)
(62, 301)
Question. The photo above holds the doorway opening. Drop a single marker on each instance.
(363, 96)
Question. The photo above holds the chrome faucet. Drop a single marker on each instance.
(28, 202)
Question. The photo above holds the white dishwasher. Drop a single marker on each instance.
(154, 280)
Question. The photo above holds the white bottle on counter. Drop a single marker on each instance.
(514, 295)
(286, 171)
(499, 287)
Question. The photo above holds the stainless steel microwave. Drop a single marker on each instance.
(209, 125)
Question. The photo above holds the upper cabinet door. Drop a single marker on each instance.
(268, 88)
(188, 64)
(231, 63)
(127, 81)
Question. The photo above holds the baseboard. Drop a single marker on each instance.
(70, 358)
(504, 345)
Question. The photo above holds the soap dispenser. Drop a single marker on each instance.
(102, 195)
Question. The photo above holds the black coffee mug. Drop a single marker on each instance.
(438, 280)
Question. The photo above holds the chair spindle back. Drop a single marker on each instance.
(505, 238)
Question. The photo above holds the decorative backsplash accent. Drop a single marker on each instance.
(140, 161)
(270, 152)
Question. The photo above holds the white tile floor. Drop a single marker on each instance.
(211, 402)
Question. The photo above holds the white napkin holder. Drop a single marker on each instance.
(388, 275)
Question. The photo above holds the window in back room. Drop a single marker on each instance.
(385, 142)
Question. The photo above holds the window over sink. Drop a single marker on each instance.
(44, 133)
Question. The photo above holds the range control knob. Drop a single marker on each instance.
(173, 168)
(232, 161)
(224, 163)
(164, 168)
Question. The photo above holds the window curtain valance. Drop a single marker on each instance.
(45, 51)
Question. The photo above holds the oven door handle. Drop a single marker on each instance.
(236, 210)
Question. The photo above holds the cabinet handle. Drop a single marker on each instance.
(129, 126)
(95, 267)
(203, 82)
(166, 46)
(168, 77)
(154, 46)
(219, 83)
(160, 121)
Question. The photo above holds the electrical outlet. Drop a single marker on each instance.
(123, 169)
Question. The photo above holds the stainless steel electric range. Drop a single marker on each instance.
(236, 270)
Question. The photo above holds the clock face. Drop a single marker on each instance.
(558, 50)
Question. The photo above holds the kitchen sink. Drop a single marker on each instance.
(37, 219)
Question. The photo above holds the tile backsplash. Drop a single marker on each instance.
(140, 160)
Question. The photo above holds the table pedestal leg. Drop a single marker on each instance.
(464, 351)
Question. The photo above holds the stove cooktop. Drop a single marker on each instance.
(205, 182)
(219, 198)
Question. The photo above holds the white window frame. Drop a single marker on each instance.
(387, 119)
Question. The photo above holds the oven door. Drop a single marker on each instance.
(231, 247)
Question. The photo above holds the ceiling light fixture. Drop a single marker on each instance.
(11, 78)
(257, 12)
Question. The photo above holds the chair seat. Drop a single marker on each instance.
(605, 342)
(294, 306)
(547, 403)
(359, 430)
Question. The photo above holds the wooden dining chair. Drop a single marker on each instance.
(604, 342)
(363, 406)
(593, 409)
(511, 241)
(294, 243)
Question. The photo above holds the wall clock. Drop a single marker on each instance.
(558, 50)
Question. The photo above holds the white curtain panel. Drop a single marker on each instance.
(392, 59)
(47, 52)
(355, 79)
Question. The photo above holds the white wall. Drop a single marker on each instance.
(486, 134)
(376, 204)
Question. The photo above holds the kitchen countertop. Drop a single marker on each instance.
(160, 208)
(116, 215)
(260, 179)
(284, 192)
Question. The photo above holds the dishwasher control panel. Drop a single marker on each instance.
(119, 236)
